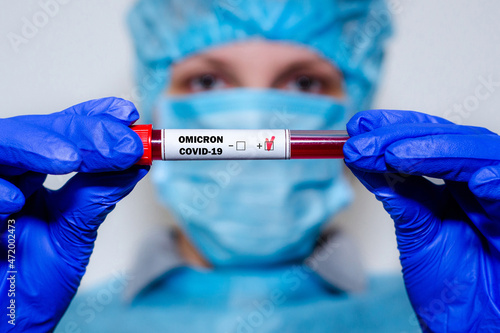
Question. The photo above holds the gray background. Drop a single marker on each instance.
(439, 56)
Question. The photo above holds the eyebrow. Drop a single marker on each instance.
(214, 61)
(218, 65)
(307, 64)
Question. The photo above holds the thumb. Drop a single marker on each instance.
(83, 203)
(11, 198)
(414, 204)
(485, 185)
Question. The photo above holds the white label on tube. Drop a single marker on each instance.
(215, 144)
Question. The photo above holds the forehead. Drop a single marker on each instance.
(258, 51)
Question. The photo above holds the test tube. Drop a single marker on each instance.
(225, 144)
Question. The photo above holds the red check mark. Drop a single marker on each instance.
(269, 143)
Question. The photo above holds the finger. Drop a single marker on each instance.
(11, 198)
(367, 151)
(450, 157)
(412, 202)
(53, 143)
(122, 110)
(485, 185)
(366, 121)
(26, 146)
(28, 182)
(7, 171)
(103, 144)
(83, 203)
(25, 185)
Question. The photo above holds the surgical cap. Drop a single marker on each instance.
(349, 33)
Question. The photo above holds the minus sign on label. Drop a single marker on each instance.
(231, 145)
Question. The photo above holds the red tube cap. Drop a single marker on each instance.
(145, 133)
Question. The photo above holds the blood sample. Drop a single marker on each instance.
(317, 144)
(213, 144)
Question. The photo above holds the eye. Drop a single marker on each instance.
(206, 82)
(305, 83)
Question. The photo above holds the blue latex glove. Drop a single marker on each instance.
(55, 231)
(448, 235)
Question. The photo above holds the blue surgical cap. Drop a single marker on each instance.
(349, 33)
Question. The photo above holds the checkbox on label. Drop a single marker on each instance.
(241, 145)
(269, 144)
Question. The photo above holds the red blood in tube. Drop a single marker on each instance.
(317, 144)
(156, 145)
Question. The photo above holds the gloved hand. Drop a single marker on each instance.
(48, 236)
(448, 235)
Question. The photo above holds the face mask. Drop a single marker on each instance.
(245, 213)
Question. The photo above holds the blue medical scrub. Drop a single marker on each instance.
(163, 294)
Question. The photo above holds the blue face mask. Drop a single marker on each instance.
(245, 213)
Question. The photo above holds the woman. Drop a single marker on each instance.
(250, 252)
